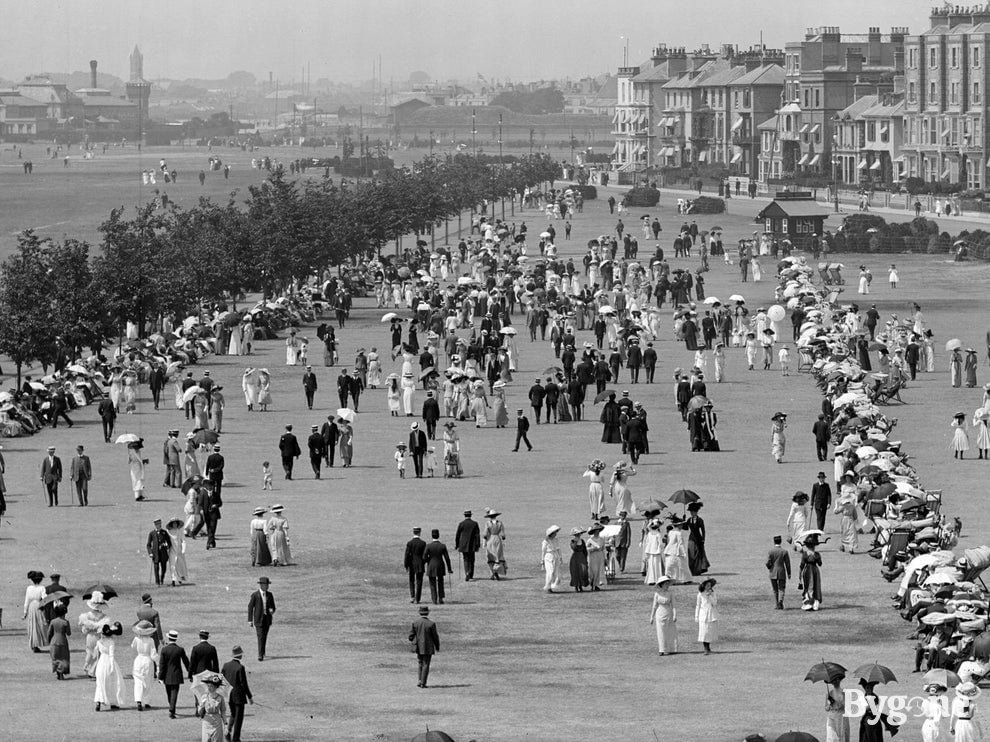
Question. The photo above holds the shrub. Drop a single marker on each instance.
(708, 205)
(588, 192)
(860, 223)
(641, 196)
(940, 244)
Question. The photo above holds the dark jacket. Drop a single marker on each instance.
(821, 496)
(149, 614)
(413, 559)
(417, 442)
(235, 674)
(431, 410)
(821, 430)
(309, 381)
(468, 536)
(171, 660)
(436, 557)
(214, 467)
(522, 424)
(536, 395)
(203, 657)
(159, 545)
(424, 636)
(260, 611)
(289, 446)
(779, 563)
(317, 446)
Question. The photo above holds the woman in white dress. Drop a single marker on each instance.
(247, 341)
(291, 349)
(374, 369)
(37, 627)
(249, 385)
(963, 708)
(136, 462)
(128, 396)
(653, 570)
(191, 509)
(408, 390)
(264, 389)
(191, 463)
(177, 554)
(596, 488)
(960, 439)
(234, 347)
(933, 711)
(551, 559)
(91, 623)
(145, 657)
(109, 678)
(798, 518)
(836, 721)
(675, 554)
(394, 394)
(706, 614)
(980, 418)
(663, 615)
(864, 280)
(619, 488)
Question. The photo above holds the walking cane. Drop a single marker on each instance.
(460, 558)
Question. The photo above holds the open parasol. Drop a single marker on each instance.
(127, 438)
(203, 437)
(945, 678)
(953, 344)
(696, 402)
(346, 413)
(604, 395)
(199, 688)
(825, 672)
(190, 483)
(57, 597)
(191, 392)
(874, 672)
(100, 587)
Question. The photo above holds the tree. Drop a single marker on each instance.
(533, 102)
(77, 314)
(27, 331)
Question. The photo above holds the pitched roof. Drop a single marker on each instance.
(767, 74)
(882, 110)
(856, 108)
(769, 125)
(791, 209)
(723, 77)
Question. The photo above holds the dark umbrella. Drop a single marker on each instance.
(232, 320)
(797, 737)
(204, 436)
(431, 371)
(696, 402)
(876, 346)
(100, 587)
(826, 672)
(874, 672)
(981, 646)
(433, 736)
(883, 491)
(604, 395)
(685, 497)
(553, 371)
(190, 483)
(520, 238)
(57, 596)
(651, 508)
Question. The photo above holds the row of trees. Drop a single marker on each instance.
(174, 260)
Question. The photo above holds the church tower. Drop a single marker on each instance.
(139, 90)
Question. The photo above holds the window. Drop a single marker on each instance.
(933, 94)
(769, 226)
(807, 97)
(885, 133)
(924, 131)
(912, 92)
(976, 92)
(932, 130)
(976, 136)
(932, 59)
(912, 58)
(735, 99)
(954, 132)
(783, 225)
(746, 102)
(954, 57)
(871, 131)
(797, 62)
(953, 92)
(976, 56)
(818, 97)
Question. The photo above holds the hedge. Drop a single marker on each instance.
(588, 192)
(707, 205)
(641, 196)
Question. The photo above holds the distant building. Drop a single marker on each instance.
(138, 90)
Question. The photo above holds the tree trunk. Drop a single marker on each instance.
(19, 365)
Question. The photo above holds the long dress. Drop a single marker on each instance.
(191, 464)
(394, 396)
(59, 631)
(836, 722)
(192, 512)
(143, 669)
(664, 617)
(596, 561)
(697, 557)
(261, 555)
(846, 505)
(345, 443)
(706, 614)
(501, 414)
(675, 556)
(596, 492)
(960, 439)
(90, 623)
(291, 351)
(931, 709)
(622, 493)
(249, 385)
(277, 531)
(374, 370)
(955, 369)
(982, 432)
(234, 347)
(136, 464)
(778, 441)
(37, 627)
(797, 521)
(551, 563)
(116, 389)
(128, 397)
(264, 390)
(967, 730)
(969, 368)
(811, 575)
(109, 678)
(177, 555)
(213, 710)
(579, 563)
(479, 405)
(653, 556)
(451, 454)
(494, 540)
(201, 408)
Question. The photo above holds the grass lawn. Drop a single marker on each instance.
(515, 663)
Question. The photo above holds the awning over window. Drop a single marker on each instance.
(815, 128)
(884, 129)
(814, 160)
(738, 124)
(615, 117)
(803, 160)
(702, 156)
(875, 165)
(900, 159)
(862, 164)
(736, 158)
(945, 132)
(615, 149)
(804, 129)
(946, 173)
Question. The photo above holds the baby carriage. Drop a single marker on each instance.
(835, 272)
(609, 535)
(451, 465)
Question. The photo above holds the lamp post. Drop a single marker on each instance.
(835, 182)
(474, 133)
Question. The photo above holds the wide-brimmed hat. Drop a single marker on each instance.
(799, 495)
(96, 601)
(552, 530)
(143, 628)
(968, 690)
(663, 580)
(278, 508)
(596, 528)
(450, 424)
(778, 415)
(259, 511)
(491, 513)
(704, 583)
(577, 531)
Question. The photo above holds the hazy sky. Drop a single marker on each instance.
(340, 39)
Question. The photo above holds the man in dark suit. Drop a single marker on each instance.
(202, 498)
(260, 610)
(148, 613)
(343, 387)
(467, 540)
(426, 643)
(356, 386)
(522, 428)
(552, 395)
(536, 396)
(171, 661)
(414, 564)
(821, 429)
(431, 414)
(417, 448)
(51, 475)
(649, 362)
(214, 470)
(821, 499)
(317, 450)
(207, 384)
(288, 446)
(203, 657)
(80, 472)
(108, 415)
(437, 565)
(779, 566)
(172, 459)
(330, 433)
(309, 386)
(51, 609)
(683, 394)
(188, 383)
(211, 516)
(240, 693)
(159, 545)
(156, 381)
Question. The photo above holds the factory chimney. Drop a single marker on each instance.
(92, 73)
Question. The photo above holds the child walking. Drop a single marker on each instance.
(784, 357)
(892, 277)
(960, 440)
(431, 460)
(266, 475)
(400, 459)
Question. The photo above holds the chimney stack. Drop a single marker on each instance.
(92, 73)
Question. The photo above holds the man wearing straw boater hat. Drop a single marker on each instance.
(171, 661)
(159, 544)
(148, 613)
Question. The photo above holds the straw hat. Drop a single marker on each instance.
(552, 531)
(143, 628)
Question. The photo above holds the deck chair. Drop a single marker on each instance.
(806, 360)
(891, 390)
(899, 539)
